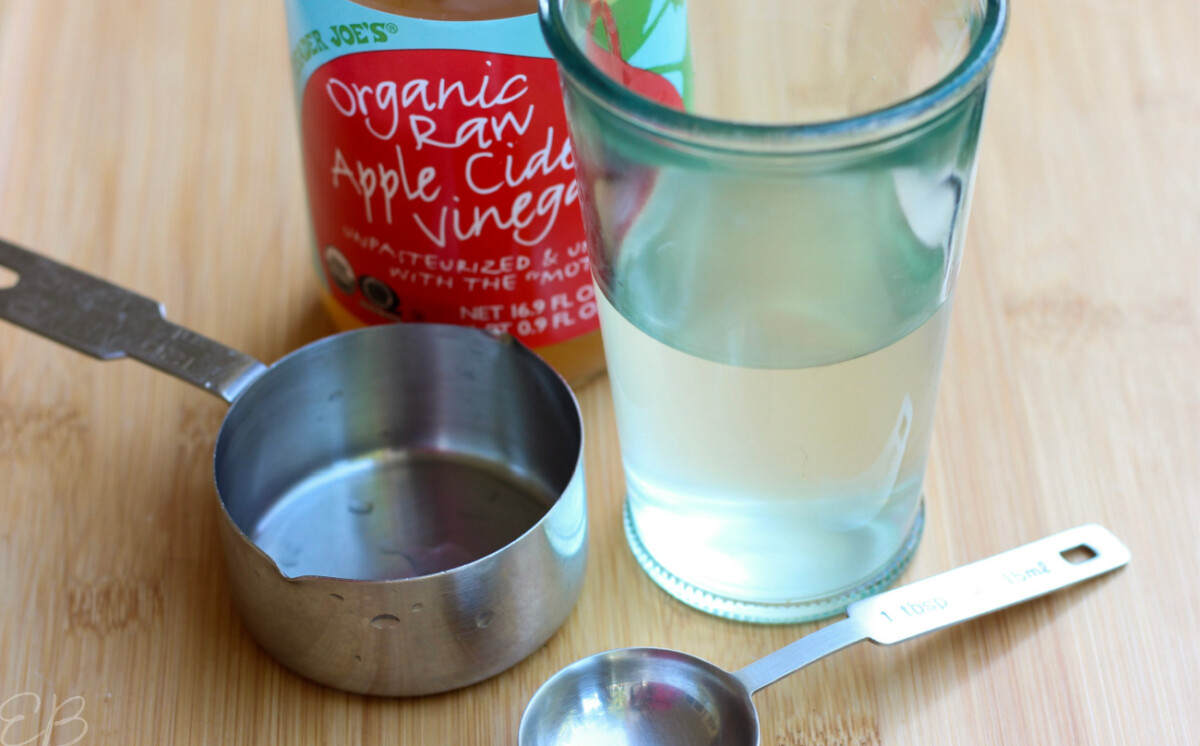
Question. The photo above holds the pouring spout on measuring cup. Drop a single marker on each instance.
(644, 696)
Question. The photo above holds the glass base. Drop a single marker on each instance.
(804, 610)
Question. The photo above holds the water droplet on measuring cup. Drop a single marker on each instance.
(361, 507)
(385, 621)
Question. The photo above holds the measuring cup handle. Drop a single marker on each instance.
(108, 322)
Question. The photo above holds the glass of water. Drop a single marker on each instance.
(776, 198)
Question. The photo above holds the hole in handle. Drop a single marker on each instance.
(1078, 555)
(8, 278)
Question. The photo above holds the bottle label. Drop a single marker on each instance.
(440, 175)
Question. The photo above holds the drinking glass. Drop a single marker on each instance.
(775, 199)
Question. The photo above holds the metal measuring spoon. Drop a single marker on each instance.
(643, 696)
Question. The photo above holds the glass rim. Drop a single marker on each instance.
(751, 137)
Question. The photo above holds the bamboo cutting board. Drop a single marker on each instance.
(154, 144)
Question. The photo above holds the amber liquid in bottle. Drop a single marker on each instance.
(578, 359)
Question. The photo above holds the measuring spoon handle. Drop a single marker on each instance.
(970, 591)
(1008, 578)
(105, 321)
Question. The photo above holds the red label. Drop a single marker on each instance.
(442, 188)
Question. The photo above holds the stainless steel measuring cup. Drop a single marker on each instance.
(402, 506)
(658, 697)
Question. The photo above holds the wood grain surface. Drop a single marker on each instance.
(154, 143)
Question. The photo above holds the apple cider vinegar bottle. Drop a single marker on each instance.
(439, 170)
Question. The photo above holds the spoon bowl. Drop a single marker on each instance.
(641, 696)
